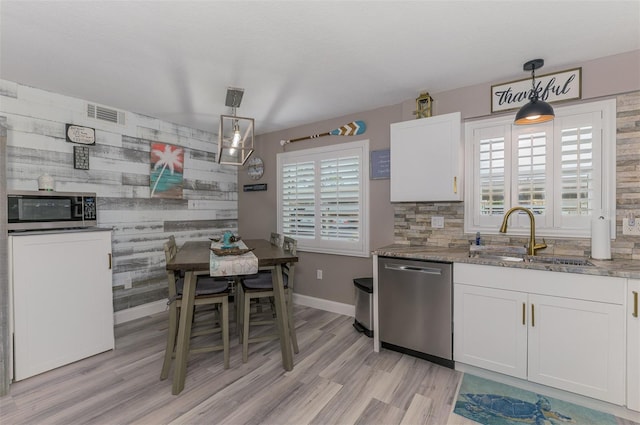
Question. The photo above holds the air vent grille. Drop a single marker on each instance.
(105, 114)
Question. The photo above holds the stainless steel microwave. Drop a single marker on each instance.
(40, 210)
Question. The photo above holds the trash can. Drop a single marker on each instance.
(364, 305)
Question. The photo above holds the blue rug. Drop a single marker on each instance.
(493, 403)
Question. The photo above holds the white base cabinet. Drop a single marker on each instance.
(486, 334)
(633, 344)
(557, 329)
(62, 299)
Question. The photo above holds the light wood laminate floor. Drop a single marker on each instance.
(337, 379)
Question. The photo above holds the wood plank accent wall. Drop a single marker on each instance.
(119, 174)
(412, 221)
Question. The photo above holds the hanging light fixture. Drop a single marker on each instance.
(235, 134)
(536, 111)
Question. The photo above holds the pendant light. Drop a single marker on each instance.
(235, 134)
(536, 111)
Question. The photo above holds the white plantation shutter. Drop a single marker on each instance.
(580, 158)
(298, 200)
(577, 171)
(532, 171)
(563, 170)
(492, 175)
(491, 149)
(340, 198)
(323, 198)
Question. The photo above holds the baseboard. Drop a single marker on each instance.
(322, 304)
(139, 311)
(148, 309)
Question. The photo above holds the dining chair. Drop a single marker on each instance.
(260, 286)
(209, 291)
(276, 239)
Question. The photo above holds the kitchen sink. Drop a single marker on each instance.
(498, 252)
(567, 261)
(517, 257)
(497, 257)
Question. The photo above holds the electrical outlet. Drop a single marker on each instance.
(437, 222)
(319, 274)
(630, 228)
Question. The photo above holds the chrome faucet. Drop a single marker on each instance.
(532, 232)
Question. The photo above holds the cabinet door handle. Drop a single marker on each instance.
(533, 316)
(455, 184)
(110, 261)
(635, 304)
(524, 313)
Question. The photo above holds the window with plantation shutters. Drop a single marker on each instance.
(323, 198)
(563, 171)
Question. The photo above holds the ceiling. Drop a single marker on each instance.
(298, 61)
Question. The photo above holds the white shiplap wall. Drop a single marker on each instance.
(119, 174)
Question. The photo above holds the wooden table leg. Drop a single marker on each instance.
(184, 332)
(281, 319)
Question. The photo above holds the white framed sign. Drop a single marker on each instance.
(559, 86)
(79, 134)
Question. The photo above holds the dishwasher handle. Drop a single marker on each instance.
(405, 268)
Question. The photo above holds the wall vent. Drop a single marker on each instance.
(105, 114)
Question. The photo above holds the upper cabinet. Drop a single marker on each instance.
(426, 159)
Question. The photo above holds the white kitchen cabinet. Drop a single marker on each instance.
(558, 329)
(426, 159)
(62, 298)
(486, 334)
(633, 344)
(577, 346)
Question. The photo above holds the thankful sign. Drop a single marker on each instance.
(565, 85)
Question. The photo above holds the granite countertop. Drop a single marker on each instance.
(614, 268)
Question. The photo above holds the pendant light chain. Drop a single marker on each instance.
(534, 92)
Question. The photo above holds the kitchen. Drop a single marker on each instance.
(118, 169)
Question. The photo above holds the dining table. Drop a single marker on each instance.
(194, 258)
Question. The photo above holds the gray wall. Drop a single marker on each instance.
(119, 174)
(608, 76)
(257, 210)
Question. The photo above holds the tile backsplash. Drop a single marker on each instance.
(412, 221)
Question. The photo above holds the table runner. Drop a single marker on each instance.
(232, 265)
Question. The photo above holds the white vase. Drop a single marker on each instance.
(45, 182)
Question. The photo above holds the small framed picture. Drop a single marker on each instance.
(380, 164)
(81, 157)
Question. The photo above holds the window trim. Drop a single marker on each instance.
(360, 148)
(607, 181)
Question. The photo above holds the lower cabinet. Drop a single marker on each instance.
(525, 323)
(633, 344)
(487, 332)
(62, 298)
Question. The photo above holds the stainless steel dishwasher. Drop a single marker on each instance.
(415, 304)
